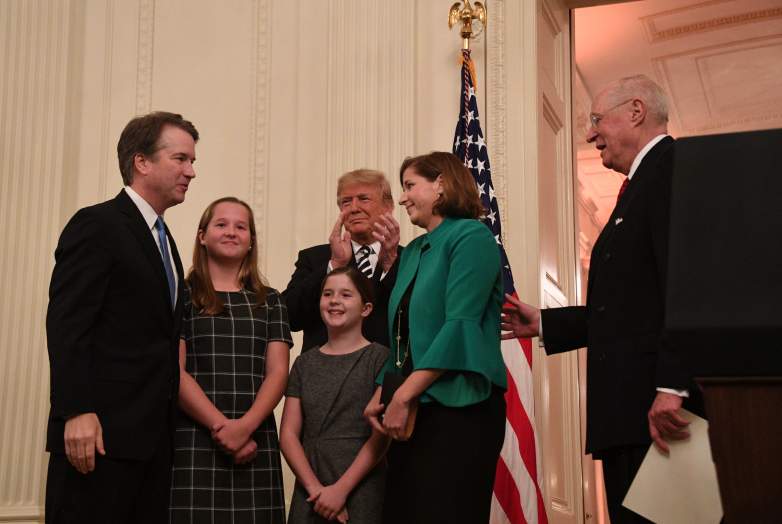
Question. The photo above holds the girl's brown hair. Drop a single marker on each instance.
(362, 283)
(202, 290)
(460, 197)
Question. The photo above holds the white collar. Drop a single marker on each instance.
(374, 245)
(642, 153)
(149, 214)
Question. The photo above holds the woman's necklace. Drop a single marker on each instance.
(400, 359)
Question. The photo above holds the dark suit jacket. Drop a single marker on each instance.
(302, 297)
(622, 322)
(112, 335)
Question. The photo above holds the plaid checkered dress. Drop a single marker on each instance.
(226, 354)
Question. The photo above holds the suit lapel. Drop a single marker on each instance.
(142, 233)
(624, 205)
(406, 274)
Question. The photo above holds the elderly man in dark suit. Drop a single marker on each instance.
(635, 385)
(370, 242)
(113, 327)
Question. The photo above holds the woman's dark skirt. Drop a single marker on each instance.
(445, 472)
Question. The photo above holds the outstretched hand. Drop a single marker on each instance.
(519, 319)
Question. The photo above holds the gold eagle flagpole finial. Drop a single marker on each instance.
(466, 13)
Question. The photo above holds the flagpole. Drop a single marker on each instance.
(465, 13)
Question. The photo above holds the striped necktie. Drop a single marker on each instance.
(362, 258)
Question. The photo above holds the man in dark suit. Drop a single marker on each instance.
(370, 242)
(113, 324)
(635, 384)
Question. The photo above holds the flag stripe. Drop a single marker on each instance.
(509, 500)
(526, 498)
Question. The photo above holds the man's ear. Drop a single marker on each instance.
(639, 111)
(367, 309)
(140, 163)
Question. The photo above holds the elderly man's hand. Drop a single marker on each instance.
(386, 231)
(83, 435)
(519, 319)
(665, 421)
(341, 248)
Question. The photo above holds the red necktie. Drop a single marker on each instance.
(622, 189)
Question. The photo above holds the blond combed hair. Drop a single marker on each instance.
(369, 177)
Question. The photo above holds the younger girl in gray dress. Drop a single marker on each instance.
(324, 436)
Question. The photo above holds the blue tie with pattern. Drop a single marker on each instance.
(161, 235)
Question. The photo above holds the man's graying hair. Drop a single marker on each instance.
(644, 88)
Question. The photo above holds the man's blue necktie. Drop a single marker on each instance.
(161, 235)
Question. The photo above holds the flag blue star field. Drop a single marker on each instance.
(517, 497)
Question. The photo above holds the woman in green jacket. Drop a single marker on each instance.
(445, 378)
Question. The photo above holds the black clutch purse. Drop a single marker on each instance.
(391, 382)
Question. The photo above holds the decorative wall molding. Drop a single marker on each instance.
(146, 50)
(33, 105)
(105, 151)
(656, 34)
(496, 105)
(687, 96)
(260, 123)
(370, 104)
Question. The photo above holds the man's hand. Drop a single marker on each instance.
(520, 319)
(231, 434)
(330, 501)
(665, 422)
(386, 231)
(341, 248)
(83, 435)
(246, 453)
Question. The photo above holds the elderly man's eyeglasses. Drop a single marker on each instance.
(595, 118)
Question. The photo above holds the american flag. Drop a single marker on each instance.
(517, 496)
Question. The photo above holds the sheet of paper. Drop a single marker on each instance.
(682, 487)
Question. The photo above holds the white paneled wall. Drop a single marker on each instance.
(34, 36)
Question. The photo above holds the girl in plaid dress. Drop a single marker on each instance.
(234, 365)
(325, 438)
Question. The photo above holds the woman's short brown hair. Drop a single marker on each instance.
(460, 197)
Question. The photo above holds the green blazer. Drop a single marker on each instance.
(454, 311)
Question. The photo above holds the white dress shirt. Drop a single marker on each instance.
(150, 217)
(373, 256)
